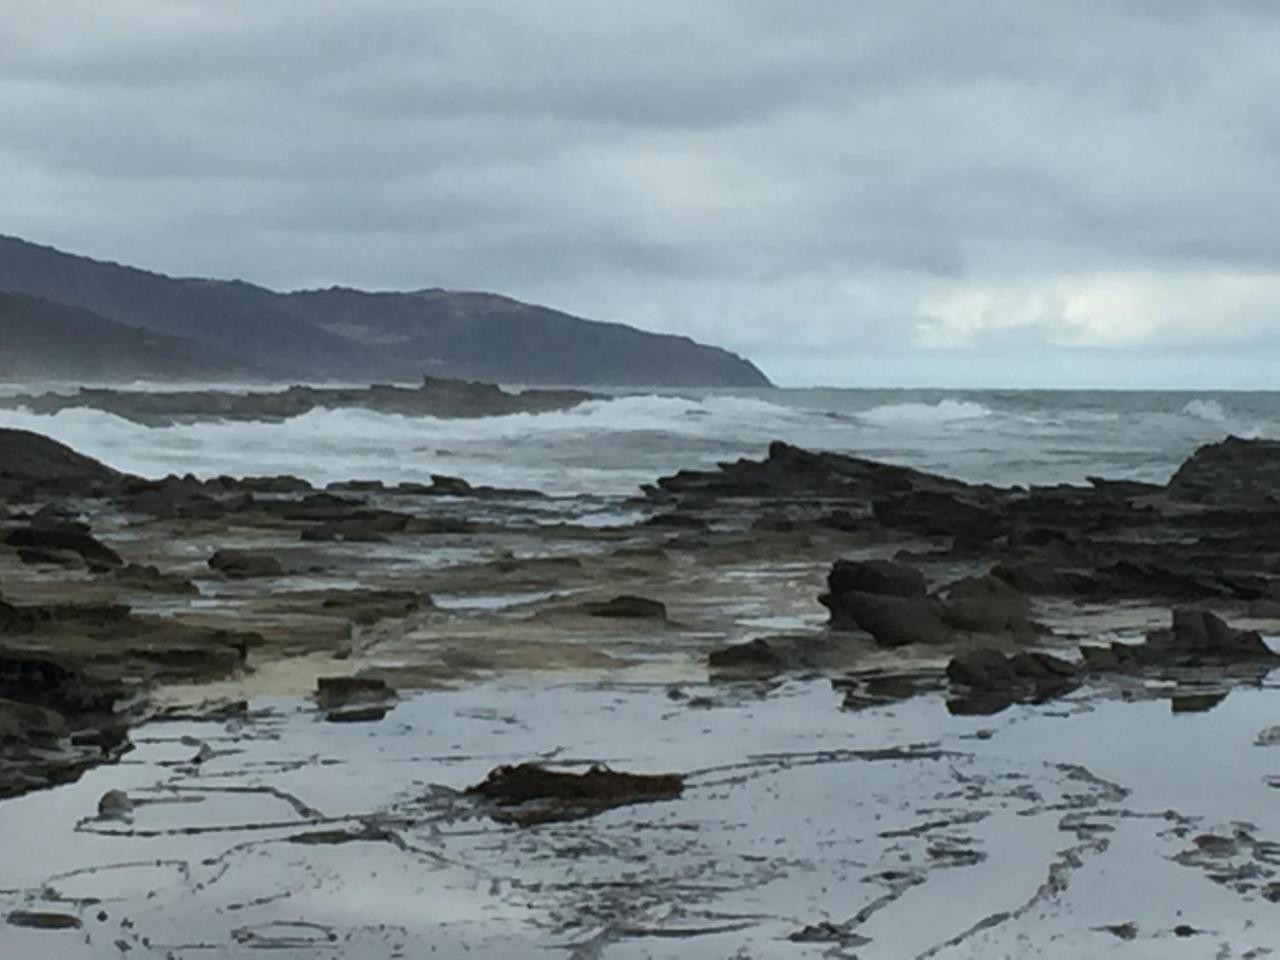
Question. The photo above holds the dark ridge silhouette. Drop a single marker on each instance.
(350, 334)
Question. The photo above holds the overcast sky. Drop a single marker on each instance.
(880, 192)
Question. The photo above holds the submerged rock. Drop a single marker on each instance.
(530, 793)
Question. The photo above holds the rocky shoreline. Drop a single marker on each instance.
(435, 397)
(108, 576)
(126, 600)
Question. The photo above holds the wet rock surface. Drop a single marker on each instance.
(894, 831)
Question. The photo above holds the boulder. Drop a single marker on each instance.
(358, 699)
(1202, 633)
(983, 669)
(893, 621)
(529, 793)
(1044, 669)
(988, 605)
(245, 564)
(886, 578)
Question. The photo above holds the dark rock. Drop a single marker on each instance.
(968, 515)
(1100, 658)
(44, 920)
(436, 397)
(358, 699)
(754, 656)
(1032, 576)
(245, 564)
(679, 521)
(982, 669)
(48, 539)
(893, 621)
(879, 577)
(1196, 702)
(628, 607)
(53, 516)
(50, 558)
(530, 793)
(437, 526)
(827, 932)
(1043, 668)
(791, 473)
(801, 653)
(369, 606)
(442, 485)
(1265, 609)
(878, 687)
(115, 805)
(988, 605)
(1202, 633)
(279, 484)
(356, 486)
(343, 691)
(30, 461)
(149, 577)
(1233, 471)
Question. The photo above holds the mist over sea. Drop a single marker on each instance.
(608, 447)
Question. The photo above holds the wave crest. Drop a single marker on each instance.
(925, 414)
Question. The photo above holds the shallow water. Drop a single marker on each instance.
(1022, 834)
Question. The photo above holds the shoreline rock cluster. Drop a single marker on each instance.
(931, 583)
(435, 397)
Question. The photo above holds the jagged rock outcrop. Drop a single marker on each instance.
(436, 397)
(1235, 471)
(30, 462)
(889, 600)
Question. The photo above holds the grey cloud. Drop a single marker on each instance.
(799, 183)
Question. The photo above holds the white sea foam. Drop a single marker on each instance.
(594, 448)
(925, 414)
(609, 447)
(1209, 410)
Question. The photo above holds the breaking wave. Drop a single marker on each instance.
(1210, 410)
(610, 446)
(925, 414)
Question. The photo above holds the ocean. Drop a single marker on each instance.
(607, 448)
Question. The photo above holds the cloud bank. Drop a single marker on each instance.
(887, 192)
